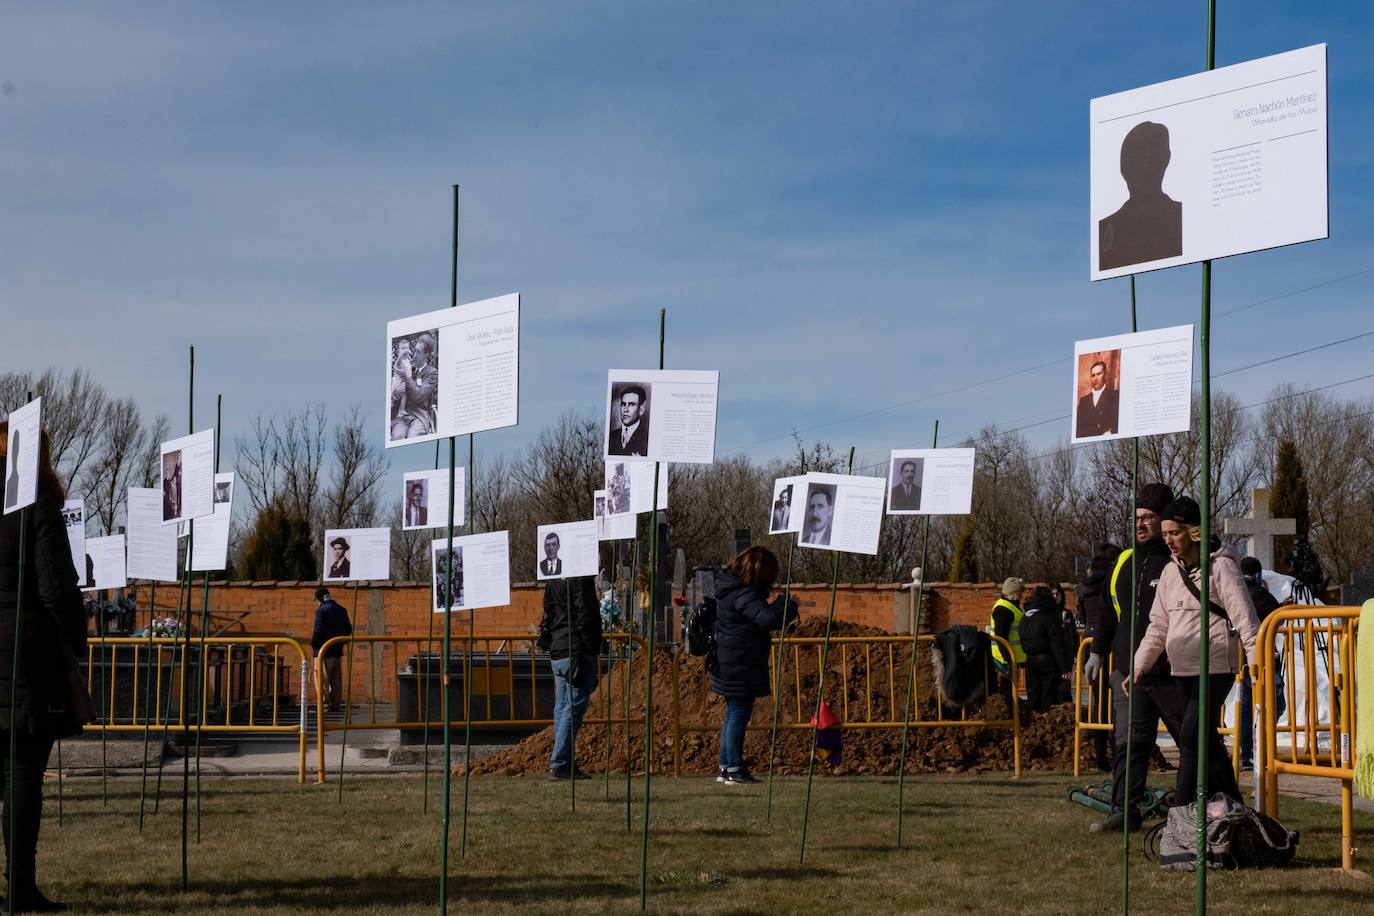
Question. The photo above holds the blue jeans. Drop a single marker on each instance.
(738, 711)
(569, 705)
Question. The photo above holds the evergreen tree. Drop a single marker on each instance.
(1288, 498)
(964, 566)
(279, 547)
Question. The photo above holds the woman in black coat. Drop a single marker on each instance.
(744, 621)
(52, 612)
(1047, 659)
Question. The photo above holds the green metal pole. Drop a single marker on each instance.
(1128, 802)
(631, 600)
(649, 663)
(820, 688)
(186, 647)
(348, 695)
(425, 662)
(205, 625)
(182, 584)
(911, 669)
(467, 675)
(105, 656)
(572, 730)
(448, 609)
(610, 679)
(1205, 558)
(147, 721)
(777, 674)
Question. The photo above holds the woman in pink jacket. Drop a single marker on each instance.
(1175, 629)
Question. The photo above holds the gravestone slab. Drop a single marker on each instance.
(1360, 588)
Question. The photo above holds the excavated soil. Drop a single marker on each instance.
(1046, 737)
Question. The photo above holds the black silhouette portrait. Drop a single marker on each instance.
(1149, 225)
(12, 481)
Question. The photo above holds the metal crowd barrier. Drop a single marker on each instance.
(879, 677)
(1316, 640)
(246, 686)
(1094, 711)
(506, 691)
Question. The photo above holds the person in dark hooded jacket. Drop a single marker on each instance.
(52, 614)
(570, 632)
(744, 621)
(1047, 658)
(1096, 605)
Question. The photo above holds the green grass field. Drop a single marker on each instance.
(974, 845)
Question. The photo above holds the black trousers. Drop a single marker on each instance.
(1220, 777)
(1042, 681)
(1156, 699)
(23, 812)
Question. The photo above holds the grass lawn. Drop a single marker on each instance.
(975, 844)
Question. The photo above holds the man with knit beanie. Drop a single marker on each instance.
(1157, 695)
(1006, 623)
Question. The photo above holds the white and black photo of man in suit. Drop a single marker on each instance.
(906, 489)
(551, 565)
(629, 422)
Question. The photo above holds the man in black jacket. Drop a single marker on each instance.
(1047, 658)
(330, 620)
(1156, 695)
(571, 633)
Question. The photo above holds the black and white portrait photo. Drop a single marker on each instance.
(618, 490)
(782, 510)
(339, 564)
(455, 580)
(224, 489)
(1149, 225)
(905, 495)
(820, 514)
(171, 485)
(414, 384)
(551, 565)
(629, 419)
(417, 504)
(1098, 412)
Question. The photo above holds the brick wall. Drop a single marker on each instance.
(388, 608)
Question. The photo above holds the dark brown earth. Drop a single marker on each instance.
(1046, 737)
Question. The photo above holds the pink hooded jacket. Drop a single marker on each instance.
(1174, 626)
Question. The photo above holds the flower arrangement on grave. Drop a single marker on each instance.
(166, 627)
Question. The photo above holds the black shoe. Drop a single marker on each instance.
(1104, 766)
(1114, 822)
(722, 776)
(740, 777)
(557, 774)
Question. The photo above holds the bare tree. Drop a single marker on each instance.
(128, 456)
(351, 501)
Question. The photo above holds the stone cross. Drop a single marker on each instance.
(1260, 528)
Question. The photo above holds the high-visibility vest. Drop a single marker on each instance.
(1014, 637)
(1121, 562)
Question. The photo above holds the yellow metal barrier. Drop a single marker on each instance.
(878, 679)
(1322, 639)
(511, 686)
(1096, 713)
(246, 686)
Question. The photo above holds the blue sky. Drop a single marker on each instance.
(843, 207)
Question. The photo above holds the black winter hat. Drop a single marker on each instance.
(1184, 511)
(1154, 496)
(321, 594)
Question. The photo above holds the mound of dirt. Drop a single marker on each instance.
(857, 680)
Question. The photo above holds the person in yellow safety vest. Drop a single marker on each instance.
(1006, 622)
(1158, 697)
